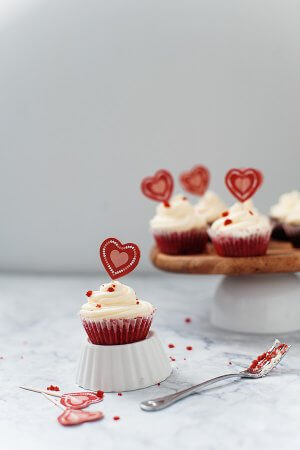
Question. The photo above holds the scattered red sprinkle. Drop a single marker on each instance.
(188, 320)
(110, 289)
(113, 285)
(53, 388)
(167, 205)
(171, 345)
(189, 347)
(172, 359)
(89, 293)
(250, 212)
(100, 394)
(158, 384)
(98, 305)
(116, 418)
(120, 394)
(225, 214)
(227, 222)
(137, 302)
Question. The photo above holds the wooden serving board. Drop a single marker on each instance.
(281, 257)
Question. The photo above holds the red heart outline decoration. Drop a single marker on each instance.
(112, 256)
(159, 187)
(196, 180)
(243, 183)
(79, 400)
(76, 416)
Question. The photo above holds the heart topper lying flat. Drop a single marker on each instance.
(159, 187)
(196, 180)
(243, 183)
(119, 259)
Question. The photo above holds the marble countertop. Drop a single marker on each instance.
(40, 344)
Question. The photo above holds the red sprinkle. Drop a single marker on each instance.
(225, 214)
(167, 205)
(172, 359)
(137, 302)
(158, 384)
(188, 320)
(230, 363)
(171, 345)
(98, 306)
(53, 388)
(227, 222)
(100, 394)
(189, 347)
(89, 293)
(110, 289)
(250, 212)
(120, 394)
(116, 418)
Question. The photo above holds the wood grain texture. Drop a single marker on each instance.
(281, 257)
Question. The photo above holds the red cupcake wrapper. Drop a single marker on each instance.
(117, 331)
(293, 234)
(255, 245)
(182, 243)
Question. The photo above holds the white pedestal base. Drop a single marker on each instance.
(117, 368)
(258, 304)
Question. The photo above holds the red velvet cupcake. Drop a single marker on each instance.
(114, 316)
(241, 232)
(178, 229)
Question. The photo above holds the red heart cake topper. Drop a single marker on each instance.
(195, 181)
(243, 183)
(159, 187)
(119, 259)
(76, 416)
(79, 400)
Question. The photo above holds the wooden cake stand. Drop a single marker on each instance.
(251, 303)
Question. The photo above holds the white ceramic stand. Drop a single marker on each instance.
(116, 368)
(258, 304)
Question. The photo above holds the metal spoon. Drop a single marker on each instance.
(259, 368)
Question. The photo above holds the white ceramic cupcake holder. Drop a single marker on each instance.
(117, 368)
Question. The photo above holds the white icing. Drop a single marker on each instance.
(180, 215)
(287, 202)
(120, 303)
(210, 206)
(293, 218)
(245, 222)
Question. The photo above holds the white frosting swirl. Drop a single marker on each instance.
(210, 206)
(115, 301)
(287, 202)
(178, 215)
(293, 218)
(244, 222)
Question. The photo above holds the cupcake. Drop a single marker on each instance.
(280, 211)
(241, 232)
(210, 207)
(291, 226)
(178, 229)
(114, 315)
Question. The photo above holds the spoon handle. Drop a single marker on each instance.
(162, 402)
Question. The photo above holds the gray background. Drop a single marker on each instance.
(94, 95)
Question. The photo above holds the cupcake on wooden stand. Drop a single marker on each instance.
(176, 227)
(121, 353)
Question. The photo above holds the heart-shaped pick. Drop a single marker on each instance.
(195, 181)
(79, 400)
(243, 183)
(159, 187)
(119, 259)
(76, 416)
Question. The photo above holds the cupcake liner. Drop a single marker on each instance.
(255, 245)
(182, 243)
(278, 232)
(117, 331)
(293, 234)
